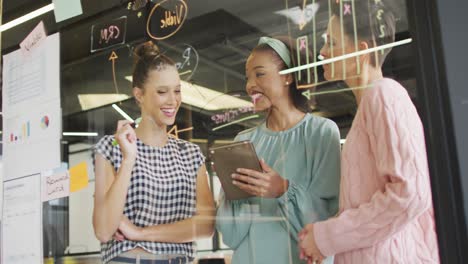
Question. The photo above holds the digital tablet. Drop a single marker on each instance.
(227, 159)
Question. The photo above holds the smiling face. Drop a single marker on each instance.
(264, 83)
(160, 97)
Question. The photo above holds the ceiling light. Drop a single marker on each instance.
(81, 134)
(90, 101)
(27, 17)
(346, 56)
(208, 99)
(122, 112)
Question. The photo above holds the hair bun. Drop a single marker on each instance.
(147, 50)
(147, 57)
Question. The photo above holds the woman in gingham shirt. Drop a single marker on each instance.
(152, 198)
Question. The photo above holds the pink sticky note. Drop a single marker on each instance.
(34, 38)
(55, 186)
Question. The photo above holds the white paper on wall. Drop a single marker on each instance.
(31, 109)
(22, 221)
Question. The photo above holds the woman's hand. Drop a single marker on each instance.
(129, 230)
(263, 184)
(308, 247)
(118, 236)
(126, 138)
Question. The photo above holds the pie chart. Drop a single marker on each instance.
(45, 122)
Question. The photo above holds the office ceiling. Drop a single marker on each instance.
(222, 32)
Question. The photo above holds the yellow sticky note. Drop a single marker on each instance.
(78, 177)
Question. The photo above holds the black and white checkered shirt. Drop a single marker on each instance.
(162, 190)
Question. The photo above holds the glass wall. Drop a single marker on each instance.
(210, 42)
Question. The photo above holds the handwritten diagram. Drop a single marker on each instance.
(238, 109)
(301, 16)
(166, 18)
(174, 131)
(382, 28)
(136, 5)
(230, 115)
(307, 49)
(108, 34)
(112, 58)
(186, 61)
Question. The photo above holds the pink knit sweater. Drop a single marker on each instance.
(386, 213)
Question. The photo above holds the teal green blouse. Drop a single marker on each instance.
(264, 230)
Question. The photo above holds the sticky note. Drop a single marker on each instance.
(55, 186)
(78, 177)
(65, 9)
(34, 39)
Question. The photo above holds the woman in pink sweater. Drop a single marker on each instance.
(386, 213)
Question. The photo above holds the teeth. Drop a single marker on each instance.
(169, 111)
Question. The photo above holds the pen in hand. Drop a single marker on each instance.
(133, 125)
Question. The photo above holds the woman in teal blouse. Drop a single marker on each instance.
(301, 166)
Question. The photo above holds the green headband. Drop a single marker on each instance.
(279, 47)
